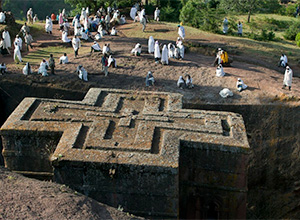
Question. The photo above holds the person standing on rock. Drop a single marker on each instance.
(76, 45)
(52, 64)
(30, 16)
(28, 40)
(181, 31)
(156, 14)
(49, 25)
(143, 22)
(6, 38)
(104, 62)
(17, 53)
(288, 76)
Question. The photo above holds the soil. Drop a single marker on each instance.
(25, 198)
(264, 84)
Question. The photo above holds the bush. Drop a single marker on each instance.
(197, 14)
(263, 36)
(297, 39)
(291, 10)
(292, 31)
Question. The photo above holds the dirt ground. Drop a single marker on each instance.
(25, 198)
(264, 85)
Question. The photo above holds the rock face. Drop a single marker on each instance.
(140, 150)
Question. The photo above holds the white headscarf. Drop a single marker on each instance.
(288, 76)
(180, 80)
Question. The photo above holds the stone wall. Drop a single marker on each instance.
(136, 150)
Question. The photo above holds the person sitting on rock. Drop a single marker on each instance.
(113, 31)
(189, 81)
(150, 79)
(27, 69)
(64, 59)
(112, 62)
(181, 82)
(219, 71)
(95, 47)
(82, 73)
(137, 50)
(240, 85)
(43, 68)
(3, 69)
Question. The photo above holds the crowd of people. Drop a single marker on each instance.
(104, 23)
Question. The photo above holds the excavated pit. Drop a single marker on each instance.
(273, 134)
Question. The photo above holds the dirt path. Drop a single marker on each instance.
(264, 84)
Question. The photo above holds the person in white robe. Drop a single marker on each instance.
(83, 35)
(43, 68)
(2, 17)
(6, 38)
(82, 73)
(98, 36)
(224, 93)
(17, 53)
(30, 16)
(283, 61)
(156, 52)
(150, 79)
(143, 21)
(240, 85)
(106, 49)
(288, 76)
(240, 28)
(189, 81)
(35, 18)
(181, 49)
(64, 37)
(27, 69)
(101, 31)
(151, 45)
(133, 12)
(156, 14)
(86, 24)
(164, 55)
(3, 68)
(83, 14)
(112, 62)
(48, 25)
(181, 82)
(142, 14)
(137, 50)
(95, 47)
(87, 11)
(113, 31)
(181, 31)
(76, 45)
(64, 13)
(19, 41)
(225, 26)
(171, 50)
(220, 71)
(123, 19)
(64, 59)
(177, 53)
(77, 27)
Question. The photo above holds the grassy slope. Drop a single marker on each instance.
(270, 51)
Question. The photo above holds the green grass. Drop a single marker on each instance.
(36, 57)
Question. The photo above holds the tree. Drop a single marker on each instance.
(241, 6)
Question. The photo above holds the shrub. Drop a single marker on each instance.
(292, 31)
(290, 10)
(297, 39)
